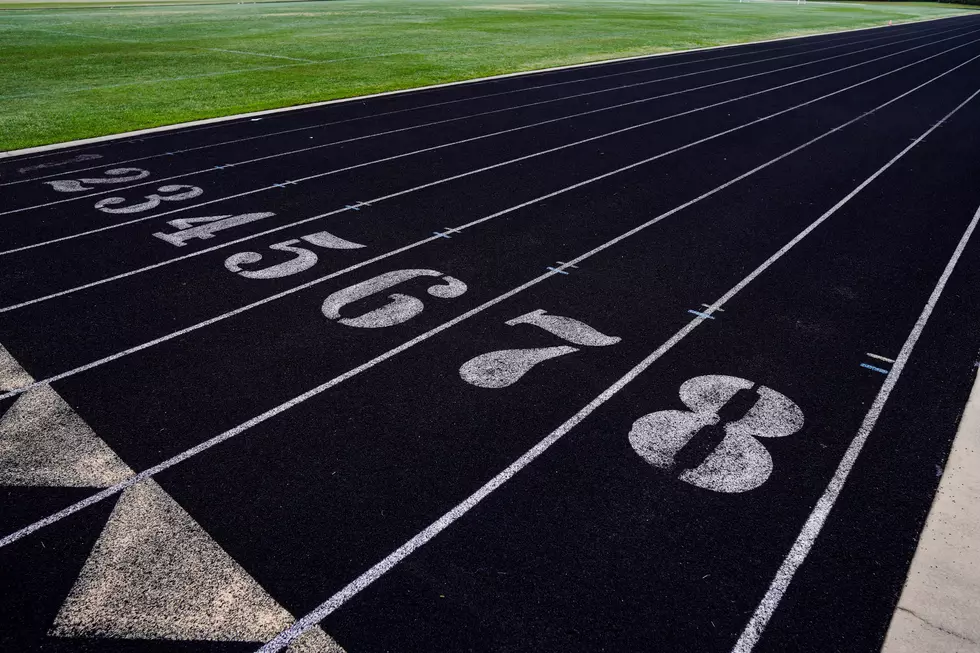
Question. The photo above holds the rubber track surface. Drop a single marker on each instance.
(312, 431)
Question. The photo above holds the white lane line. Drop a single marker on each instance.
(354, 587)
(211, 169)
(201, 252)
(472, 98)
(814, 523)
(207, 444)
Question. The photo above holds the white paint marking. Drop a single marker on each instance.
(262, 54)
(382, 567)
(401, 308)
(44, 443)
(881, 358)
(566, 328)
(406, 549)
(473, 172)
(482, 136)
(309, 284)
(739, 462)
(154, 573)
(499, 369)
(12, 375)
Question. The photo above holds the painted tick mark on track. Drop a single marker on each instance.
(700, 314)
(875, 368)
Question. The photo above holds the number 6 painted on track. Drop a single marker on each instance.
(401, 308)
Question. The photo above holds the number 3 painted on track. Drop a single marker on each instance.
(739, 462)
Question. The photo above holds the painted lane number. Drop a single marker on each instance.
(171, 193)
(400, 309)
(303, 258)
(716, 444)
(113, 176)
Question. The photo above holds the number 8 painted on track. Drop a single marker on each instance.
(739, 462)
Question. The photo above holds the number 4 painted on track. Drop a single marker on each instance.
(707, 446)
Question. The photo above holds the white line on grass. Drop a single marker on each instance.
(345, 594)
(207, 444)
(389, 196)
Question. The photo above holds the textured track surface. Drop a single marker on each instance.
(572, 361)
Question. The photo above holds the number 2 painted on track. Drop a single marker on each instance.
(113, 176)
(676, 440)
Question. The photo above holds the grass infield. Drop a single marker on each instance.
(78, 69)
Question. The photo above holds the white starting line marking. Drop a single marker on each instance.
(754, 629)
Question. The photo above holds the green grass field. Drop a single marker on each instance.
(75, 70)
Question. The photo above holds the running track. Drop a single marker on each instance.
(655, 355)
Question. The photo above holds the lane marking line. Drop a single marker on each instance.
(532, 88)
(456, 177)
(296, 630)
(42, 151)
(881, 358)
(309, 284)
(873, 368)
(814, 523)
(494, 111)
(368, 577)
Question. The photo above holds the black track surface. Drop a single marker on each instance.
(590, 547)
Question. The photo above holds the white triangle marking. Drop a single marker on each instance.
(156, 574)
(43, 442)
(12, 375)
